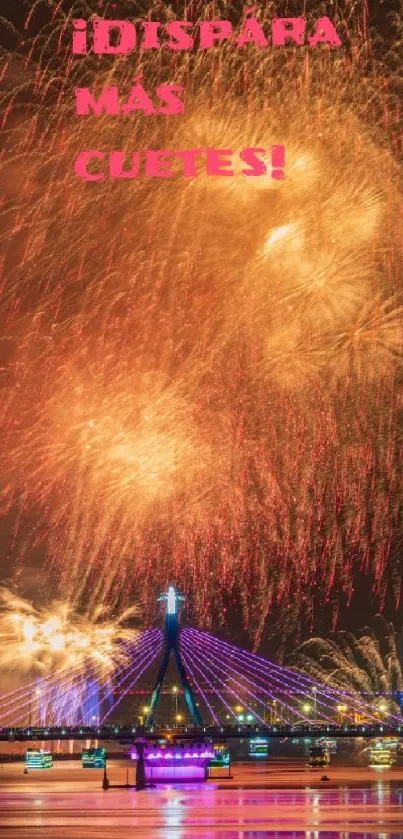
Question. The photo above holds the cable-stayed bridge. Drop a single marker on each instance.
(229, 693)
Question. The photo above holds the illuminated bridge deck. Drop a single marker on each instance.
(128, 734)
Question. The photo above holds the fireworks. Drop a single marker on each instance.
(230, 675)
(56, 639)
(369, 664)
(202, 376)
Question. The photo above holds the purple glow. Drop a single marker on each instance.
(49, 686)
(56, 692)
(220, 663)
(175, 763)
(270, 679)
(192, 773)
(141, 667)
(202, 694)
(204, 676)
(254, 666)
(225, 677)
(216, 671)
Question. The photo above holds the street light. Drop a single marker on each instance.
(306, 709)
(175, 693)
(342, 710)
(314, 691)
(144, 711)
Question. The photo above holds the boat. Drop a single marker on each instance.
(93, 758)
(221, 756)
(318, 756)
(381, 755)
(258, 747)
(38, 759)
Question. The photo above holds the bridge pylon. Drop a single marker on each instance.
(172, 635)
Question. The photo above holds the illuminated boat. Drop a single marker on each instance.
(380, 755)
(318, 756)
(258, 747)
(329, 744)
(38, 759)
(179, 762)
(93, 758)
(393, 744)
(221, 756)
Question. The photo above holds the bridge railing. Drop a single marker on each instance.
(125, 732)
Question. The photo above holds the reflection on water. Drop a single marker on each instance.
(210, 812)
(296, 834)
(276, 801)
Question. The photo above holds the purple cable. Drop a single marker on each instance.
(24, 690)
(229, 668)
(146, 666)
(51, 684)
(287, 675)
(232, 691)
(55, 676)
(142, 647)
(206, 679)
(190, 670)
(44, 693)
(217, 652)
(143, 650)
(140, 643)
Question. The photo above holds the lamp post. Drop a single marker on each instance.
(314, 691)
(383, 707)
(175, 693)
(145, 709)
(341, 711)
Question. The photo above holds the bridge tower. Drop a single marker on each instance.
(172, 633)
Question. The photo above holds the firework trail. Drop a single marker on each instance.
(369, 664)
(260, 686)
(202, 380)
(40, 641)
(70, 658)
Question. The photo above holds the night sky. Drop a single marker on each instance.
(320, 613)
